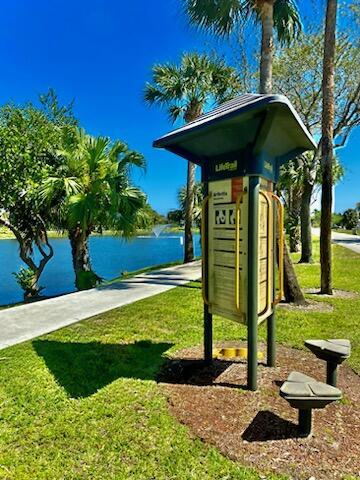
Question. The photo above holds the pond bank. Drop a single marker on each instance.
(112, 257)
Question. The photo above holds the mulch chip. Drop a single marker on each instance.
(259, 429)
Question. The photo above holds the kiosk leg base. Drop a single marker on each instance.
(305, 422)
(271, 341)
(331, 373)
(208, 336)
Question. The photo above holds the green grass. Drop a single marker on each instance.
(82, 402)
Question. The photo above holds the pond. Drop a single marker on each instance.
(111, 256)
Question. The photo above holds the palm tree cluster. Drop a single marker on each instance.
(92, 190)
(183, 90)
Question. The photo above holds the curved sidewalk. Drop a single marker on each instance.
(352, 242)
(25, 322)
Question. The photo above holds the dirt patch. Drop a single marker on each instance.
(311, 306)
(259, 429)
(336, 293)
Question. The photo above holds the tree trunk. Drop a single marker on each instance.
(294, 238)
(189, 208)
(327, 146)
(305, 219)
(292, 290)
(267, 46)
(26, 257)
(80, 252)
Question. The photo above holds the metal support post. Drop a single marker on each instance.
(253, 280)
(271, 321)
(331, 373)
(208, 334)
(305, 422)
(208, 324)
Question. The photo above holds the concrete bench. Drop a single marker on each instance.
(305, 393)
(334, 352)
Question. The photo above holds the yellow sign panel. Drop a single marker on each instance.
(227, 250)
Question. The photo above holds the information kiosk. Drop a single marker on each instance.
(240, 147)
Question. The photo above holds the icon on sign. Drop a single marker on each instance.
(220, 217)
(231, 217)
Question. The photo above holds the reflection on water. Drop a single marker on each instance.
(110, 257)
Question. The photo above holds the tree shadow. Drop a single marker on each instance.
(267, 426)
(83, 368)
(347, 240)
(196, 372)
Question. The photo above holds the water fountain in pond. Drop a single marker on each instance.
(158, 229)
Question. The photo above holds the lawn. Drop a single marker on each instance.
(83, 403)
(351, 232)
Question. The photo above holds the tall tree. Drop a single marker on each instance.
(29, 141)
(185, 90)
(221, 17)
(298, 74)
(92, 190)
(327, 128)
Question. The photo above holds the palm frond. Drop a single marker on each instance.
(81, 210)
(175, 112)
(287, 22)
(215, 16)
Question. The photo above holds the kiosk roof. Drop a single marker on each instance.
(264, 122)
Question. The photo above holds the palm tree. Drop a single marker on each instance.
(92, 191)
(327, 152)
(223, 16)
(198, 199)
(185, 90)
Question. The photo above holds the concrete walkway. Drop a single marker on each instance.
(344, 239)
(25, 322)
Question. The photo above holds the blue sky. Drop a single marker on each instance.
(100, 53)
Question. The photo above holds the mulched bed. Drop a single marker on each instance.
(311, 306)
(258, 429)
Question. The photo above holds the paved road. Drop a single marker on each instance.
(349, 241)
(25, 322)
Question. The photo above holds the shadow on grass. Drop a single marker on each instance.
(268, 426)
(83, 368)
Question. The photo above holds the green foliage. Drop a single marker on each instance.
(92, 188)
(87, 279)
(350, 219)
(29, 141)
(336, 219)
(316, 218)
(297, 74)
(222, 17)
(185, 89)
(25, 279)
(153, 217)
(175, 216)
(198, 195)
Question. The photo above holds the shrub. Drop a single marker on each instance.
(26, 279)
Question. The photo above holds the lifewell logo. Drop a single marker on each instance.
(226, 166)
